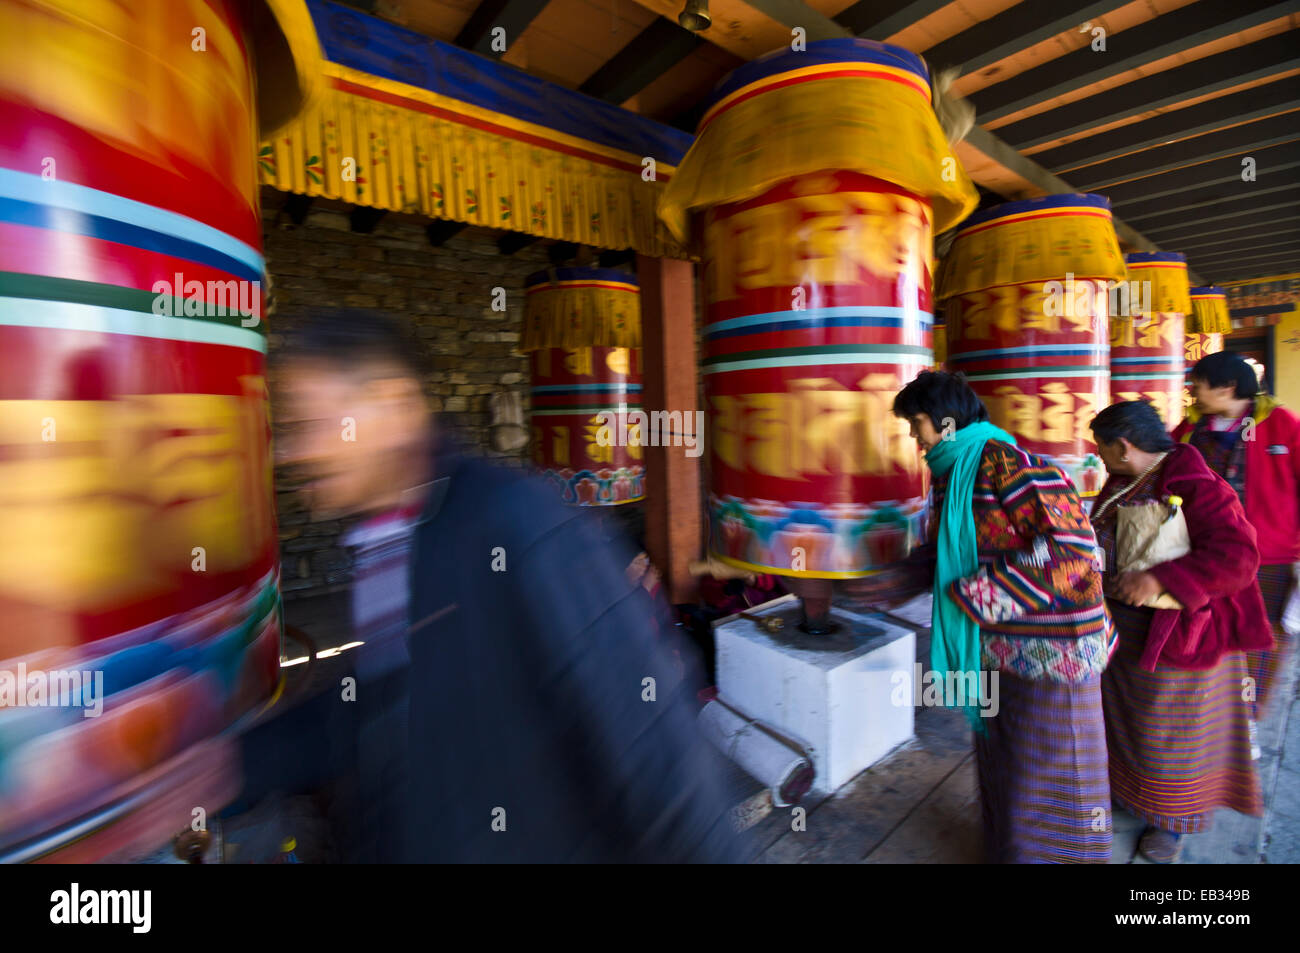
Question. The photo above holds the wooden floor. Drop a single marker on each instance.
(920, 804)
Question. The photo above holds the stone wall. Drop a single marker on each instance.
(443, 295)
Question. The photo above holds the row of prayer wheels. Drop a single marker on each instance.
(816, 238)
(816, 242)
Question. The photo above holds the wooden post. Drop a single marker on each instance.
(674, 528)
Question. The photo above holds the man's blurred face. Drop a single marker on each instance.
(352, 431)
(1212, 400)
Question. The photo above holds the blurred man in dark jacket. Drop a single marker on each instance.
(511, 703)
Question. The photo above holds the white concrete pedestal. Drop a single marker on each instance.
(845, 705)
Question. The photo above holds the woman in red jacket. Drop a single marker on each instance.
(1254, 444)
(1177, 729)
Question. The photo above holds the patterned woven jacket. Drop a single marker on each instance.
(1037, 595)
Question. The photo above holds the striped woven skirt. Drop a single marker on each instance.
(1271, 669)
(1042, 774)
(1179, 741)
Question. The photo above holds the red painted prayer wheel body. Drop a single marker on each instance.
(1196, 346)
(1036, 351)
(140, 544)
(818, 310)
(1147, 349)
(591, 460)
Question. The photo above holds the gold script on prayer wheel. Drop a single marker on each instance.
(817, 428)
(817, 239)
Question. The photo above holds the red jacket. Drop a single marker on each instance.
(1272, 478)
(1223, 610)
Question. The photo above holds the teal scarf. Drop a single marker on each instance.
(954, 638)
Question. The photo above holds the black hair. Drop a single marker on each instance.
(350, 338)
(942, 396)
(1137, 422)
(1224, 368)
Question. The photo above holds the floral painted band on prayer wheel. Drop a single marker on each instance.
(588, 429)
(1147, 348)
(1033, 342)
(139, 541)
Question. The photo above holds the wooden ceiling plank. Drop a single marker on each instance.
(1254, 222)
(511, 15)
(1115, 171)
(947, 22)
(1150, 42)
(1210, 202)
(1069, 40)
(1164, 90)
(1290, 246)
(1175, 127)
(864, 18)
(652, 52)
(1196, 224)
(1217, 240)
(1253, 227)
(677, 88)
(817, 26)
(1013, 30)
(1135, 202)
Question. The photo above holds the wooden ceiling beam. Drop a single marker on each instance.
(1258, 215)
(1185, 29)
(1165, 90)
(1012, 30)
(513, 16)
(1290, 246)
(864, 17)
(1151, 163)
(1212, 242)
(1207, 175)
(1184, 125)
(653, 51)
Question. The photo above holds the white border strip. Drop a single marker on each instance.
(66, 316)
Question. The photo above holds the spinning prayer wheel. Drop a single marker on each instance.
(140, 552)
(813, 188)
(1206, 326)
(1027, 289)
(1147, 346)
(588, 429)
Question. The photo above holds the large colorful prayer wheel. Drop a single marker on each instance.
(139, 545)
(1206, 325)
(817, 180)
(1027, 287)
(588, 428)
(1147, 347)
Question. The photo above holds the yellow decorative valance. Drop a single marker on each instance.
(380, 143)
(1166, 275)
(581, 307)
(1209, 314)
(843, 110)
(1031, 241)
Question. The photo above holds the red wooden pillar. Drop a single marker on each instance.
(674, 524)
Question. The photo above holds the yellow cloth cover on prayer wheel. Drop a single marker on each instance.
(1033, 340)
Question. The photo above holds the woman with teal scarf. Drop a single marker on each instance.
(1020, 633)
